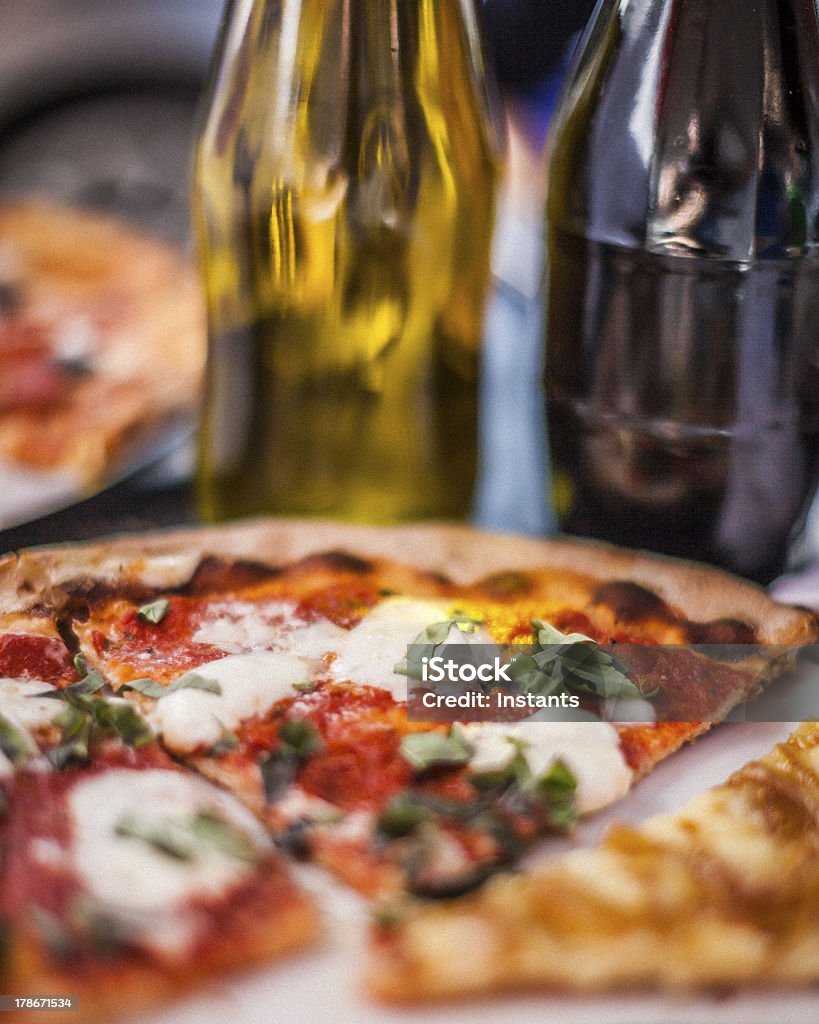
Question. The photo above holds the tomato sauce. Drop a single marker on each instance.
(344, 604)
(160, 650)
(30, 656)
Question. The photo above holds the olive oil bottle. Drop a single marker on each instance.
(343, 198)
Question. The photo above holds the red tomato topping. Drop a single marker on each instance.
(29, 656)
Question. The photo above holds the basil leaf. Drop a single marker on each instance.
(425, 750)
(193, 681)
(76, 729)
(526, 672)
(212, 831)
(91, 683)
(154, 612)
(125, 721)
(429, 640)
(576, 662)
(86, 719)
(557, 790)
(548, 635)
(401, 816)
(300, 739)
(301, 736)
(279, 771)
(186, 840)
(13, 743)
(190, 681)
(147, 687)
(174, 842)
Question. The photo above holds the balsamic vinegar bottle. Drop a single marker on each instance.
(683, 279)
(344, 194)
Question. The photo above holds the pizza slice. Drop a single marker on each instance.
(130, 880)
(721, 893)
(101, 339)
(277, 679)
(124, 877)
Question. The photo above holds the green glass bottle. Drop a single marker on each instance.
(343, 199)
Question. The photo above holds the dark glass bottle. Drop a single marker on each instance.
(683, 283)
(343, 196)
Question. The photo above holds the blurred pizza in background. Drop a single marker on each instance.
(101, 340)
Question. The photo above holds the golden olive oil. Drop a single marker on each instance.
(344, 200)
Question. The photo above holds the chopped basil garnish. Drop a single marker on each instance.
(557, 790)
(425, 750)
(570, 662)
(299, 740)
(171, 840)
(147, 687)
(401, 816)
(13, 743)
(123, 721)
(300, 736)
(154, 612)
(212, 831)
(415, 821)
(429, 640)
(89, 682)
(188, 840)
(190, 681)
(87, 718)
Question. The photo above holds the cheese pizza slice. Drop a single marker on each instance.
(131, 880)
(124, 878)
(721, 893)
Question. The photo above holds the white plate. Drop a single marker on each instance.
(26, 495)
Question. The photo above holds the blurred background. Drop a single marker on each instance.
(98, 105)
(98, 97)
(97, 102)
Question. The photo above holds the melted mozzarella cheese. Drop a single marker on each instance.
(129, 877)
(590, 750)
(369, 652)
(243, 626)
(250, 684)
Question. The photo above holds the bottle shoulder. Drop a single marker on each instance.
(697, 133)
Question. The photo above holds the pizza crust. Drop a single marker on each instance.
(462, 553)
